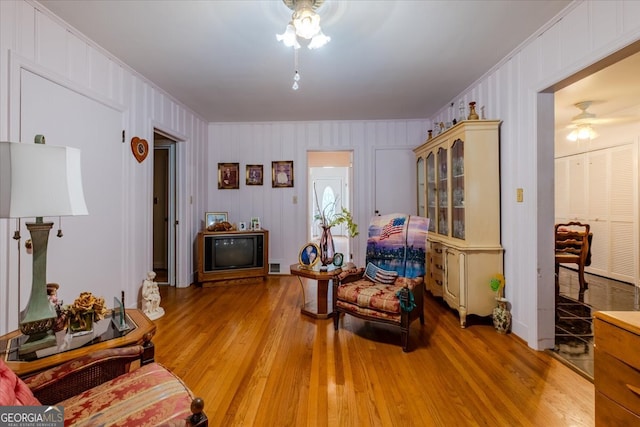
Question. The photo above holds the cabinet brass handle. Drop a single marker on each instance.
(634, 389)
(438, 250)
(439, 266)
(439, 282)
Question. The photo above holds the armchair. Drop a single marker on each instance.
(390, 289)
(102, 389)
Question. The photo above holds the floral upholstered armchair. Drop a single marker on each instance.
(104, 389)
(390, 288)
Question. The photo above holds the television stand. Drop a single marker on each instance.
(215, 256)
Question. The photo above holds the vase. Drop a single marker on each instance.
(502, 316)
(81, 322)
(472, 111)
(327, 248)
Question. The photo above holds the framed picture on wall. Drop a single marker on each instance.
(282, 174)
(254, 175)
(228, 176)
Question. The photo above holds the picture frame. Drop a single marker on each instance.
(228, 176)
(255, 223)
(309, 255)
(282, 174)
(254, 175)
(242, 226)
(211, 218)
(338, 259)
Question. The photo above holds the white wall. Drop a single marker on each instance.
(33, 39)
(262, 143)
(583, 34)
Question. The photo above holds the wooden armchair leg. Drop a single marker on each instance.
(405, 340)
(336, 320)
(583, 284)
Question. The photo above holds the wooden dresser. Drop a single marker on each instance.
(617, 368)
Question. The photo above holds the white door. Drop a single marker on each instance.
(330, 199)
(95, 241)
(395, 181)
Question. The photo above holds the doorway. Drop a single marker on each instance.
(164, 208)
(595, 181)
(329, 190)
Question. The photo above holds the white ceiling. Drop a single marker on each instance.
(386, 60)
(614, 93)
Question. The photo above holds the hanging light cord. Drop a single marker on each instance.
(296, 74)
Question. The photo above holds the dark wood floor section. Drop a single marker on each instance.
(256, 360)
(574, 314)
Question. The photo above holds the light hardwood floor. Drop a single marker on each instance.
(256, 360)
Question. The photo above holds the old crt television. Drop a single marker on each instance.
(233, 252)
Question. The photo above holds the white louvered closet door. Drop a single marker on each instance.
(612, 212)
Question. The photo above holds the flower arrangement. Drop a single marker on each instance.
(328, 218)
(497, 284)
(85, 310)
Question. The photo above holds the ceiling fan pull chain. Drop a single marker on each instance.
(296, 74)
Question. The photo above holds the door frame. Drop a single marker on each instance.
(168, 143)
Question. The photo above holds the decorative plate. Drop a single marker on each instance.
(140, 148)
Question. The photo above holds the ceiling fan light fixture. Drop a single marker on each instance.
(306, 20)
(288, 38)
(582, 133)
(582, 121)
(305, 23)
(319, 40)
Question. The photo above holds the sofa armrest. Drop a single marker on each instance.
(78, 375)
(351, 275)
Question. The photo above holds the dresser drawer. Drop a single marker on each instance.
(617, 380)
(618, 342)
(608, 413)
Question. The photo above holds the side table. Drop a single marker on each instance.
(318, 308)
(142, 331)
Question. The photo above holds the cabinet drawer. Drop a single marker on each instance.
(609, 413)
(617, 380)
(619, 343)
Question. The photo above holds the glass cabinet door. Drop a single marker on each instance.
(443, 190)
(431, 191)
(457, 188)
(421, 187)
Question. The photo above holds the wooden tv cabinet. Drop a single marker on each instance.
(236, 276)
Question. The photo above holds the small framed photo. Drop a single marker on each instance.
(309, 255)
(254, 175)
(338, 259)
(242, 226)
(282, 174)
(211, 218)
(228, 176)
(255, 223)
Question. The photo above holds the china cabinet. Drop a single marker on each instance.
(461, 195)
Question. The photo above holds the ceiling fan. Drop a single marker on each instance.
(581, 123)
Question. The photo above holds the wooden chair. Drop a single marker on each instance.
(573, 246)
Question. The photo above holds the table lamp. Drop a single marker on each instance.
(38, 180)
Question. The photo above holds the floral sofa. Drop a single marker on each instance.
(390, 288)
(101, 389)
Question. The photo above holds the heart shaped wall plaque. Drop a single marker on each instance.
(140, 148)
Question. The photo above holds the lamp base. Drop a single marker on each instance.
(37, 342)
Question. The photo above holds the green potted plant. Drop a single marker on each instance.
(501, 314)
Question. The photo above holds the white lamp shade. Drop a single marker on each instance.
(319, 40)
(38, 180)
(307, 22)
